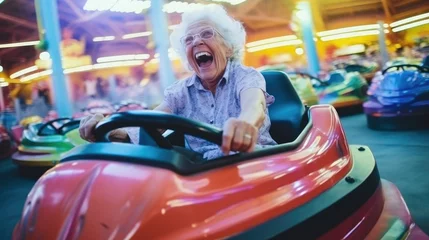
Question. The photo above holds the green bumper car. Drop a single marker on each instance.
(343, 89)
(303, 84)
(43, 143)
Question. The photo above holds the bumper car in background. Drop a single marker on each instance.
(95, 106)
(399, 98)
(43, 143)
(303, 84)
(130, 105)
(342, 89)
(6, 145)
(18, 130)
(331, 190)
(403, 60)
(367, 71)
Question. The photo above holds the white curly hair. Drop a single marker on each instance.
(231, 30)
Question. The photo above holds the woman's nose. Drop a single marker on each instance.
(197, 41)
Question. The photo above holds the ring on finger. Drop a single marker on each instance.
(248, 136)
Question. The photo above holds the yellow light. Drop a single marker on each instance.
(299, 51)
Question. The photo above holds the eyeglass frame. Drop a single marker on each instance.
(199, 35)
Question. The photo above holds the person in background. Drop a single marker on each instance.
(222, 91)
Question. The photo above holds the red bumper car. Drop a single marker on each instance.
(313, 185)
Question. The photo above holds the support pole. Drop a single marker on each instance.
(382, 43)
(47, 11)
(306, 24)
(161, 38)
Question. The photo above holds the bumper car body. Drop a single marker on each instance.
(343, 89)
(367, 71)
(312, 180)
(43, 143)
(302, 83)
(399, 98)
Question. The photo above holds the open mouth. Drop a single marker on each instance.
(204, 59)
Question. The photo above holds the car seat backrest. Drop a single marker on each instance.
(287, 111)
(336, 77)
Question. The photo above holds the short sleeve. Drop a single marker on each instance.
(251, 78)
(169, 97)
(174, 96)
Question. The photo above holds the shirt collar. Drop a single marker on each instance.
(225, 77)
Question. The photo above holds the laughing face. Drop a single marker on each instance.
(206, 51)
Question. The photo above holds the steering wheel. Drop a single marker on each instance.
(150, 121)
(402, 67)
(355, 67)
(68, 126)
(51, 124)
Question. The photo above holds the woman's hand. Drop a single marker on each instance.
(239, 135)
(87, 128)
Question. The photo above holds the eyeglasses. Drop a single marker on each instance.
(204, 34)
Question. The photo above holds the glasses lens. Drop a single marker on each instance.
(207, 33)
(188, 39)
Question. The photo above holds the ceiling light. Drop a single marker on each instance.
(274, 45)
(123, 58)
(138, 6)
(350, 34)
(19, 44)
(36, 75)
(271, 40)
(136, 35)
(83, 69)
(44, 56)
(23, 72)
(410, 19)
(410, 25)
(348, 30)
(106, 38)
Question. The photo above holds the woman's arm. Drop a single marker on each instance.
(253, 106)
(241, 134)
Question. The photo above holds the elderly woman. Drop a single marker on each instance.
(221, 91)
